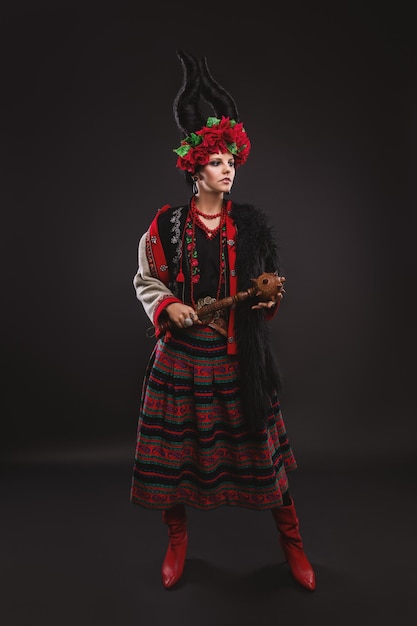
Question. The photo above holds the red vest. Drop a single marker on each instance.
(157, 259)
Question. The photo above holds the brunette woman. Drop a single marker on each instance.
(210, 430)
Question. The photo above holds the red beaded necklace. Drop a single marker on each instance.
(207, 216)
(191, 248)
(197, 214)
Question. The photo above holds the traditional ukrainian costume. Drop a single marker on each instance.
(210, 428)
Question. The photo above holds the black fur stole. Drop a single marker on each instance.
(256, 252)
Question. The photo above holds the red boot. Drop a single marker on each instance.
(173, 565)
(292, 545)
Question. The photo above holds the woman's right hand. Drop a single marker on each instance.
(182, 315)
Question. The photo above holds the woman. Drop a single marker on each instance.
(210, 428)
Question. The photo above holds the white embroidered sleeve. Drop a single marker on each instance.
(150, 291)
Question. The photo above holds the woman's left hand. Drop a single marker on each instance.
(271, 303)
(265, 305)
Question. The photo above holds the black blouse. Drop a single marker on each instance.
(208, 254)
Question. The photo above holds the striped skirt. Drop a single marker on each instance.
(193, 445)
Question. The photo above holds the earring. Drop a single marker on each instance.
(195, 187)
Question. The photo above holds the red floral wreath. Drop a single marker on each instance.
(219, 135)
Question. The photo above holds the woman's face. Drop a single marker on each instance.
(218, 174)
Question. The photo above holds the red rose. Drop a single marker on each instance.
(217, 139)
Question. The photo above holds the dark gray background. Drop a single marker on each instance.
(328, 99)
(327, 94)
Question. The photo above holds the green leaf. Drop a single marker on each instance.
(232, 147)
(212, 121)
(182, 150)
(194, 140)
